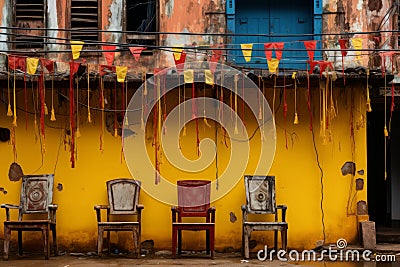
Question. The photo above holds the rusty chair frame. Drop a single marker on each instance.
(260, 200)
(36, 198)
(123, 197)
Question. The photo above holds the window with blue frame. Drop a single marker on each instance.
(259, 22)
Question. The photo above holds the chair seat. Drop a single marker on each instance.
(193, 226)
(27, 222)
(119, 223)
(260, 226)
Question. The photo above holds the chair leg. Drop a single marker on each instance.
(7, 235)
(276, 240)
(179, 242)
(20, 243)
(174, 241)
(109, 241)
(208, 242)
(136, 241)
(284, 239)
(46, 244)
(100, 241)
(212, 238)
(54, 234)
(247, 234)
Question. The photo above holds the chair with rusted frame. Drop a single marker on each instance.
(123, 202)
(36, 198)
(260, 200)
(193, 201)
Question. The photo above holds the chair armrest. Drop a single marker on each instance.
(174, 211)
(7, 207)
(283, 208)
(244, 213)
(98, 209)
(139, 207)
(53, 208)
(211, 211)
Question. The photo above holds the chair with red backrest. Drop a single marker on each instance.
(193, 201)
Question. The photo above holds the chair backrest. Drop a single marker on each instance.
(193, 197)
(260, 194)
(36, 194)
(123, 196)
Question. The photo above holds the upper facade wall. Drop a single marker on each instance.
(173, 23)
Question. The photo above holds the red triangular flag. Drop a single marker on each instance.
(343, 46)
(179, 63)
(310, 46)
(103, 69)
(16, 62)
(215, 57)
(136, 51)
(47, 63)
(268, 47)
(73, 67)
(110, 55)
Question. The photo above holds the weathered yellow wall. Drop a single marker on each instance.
(297, 175)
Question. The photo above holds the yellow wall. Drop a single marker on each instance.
(297, 175)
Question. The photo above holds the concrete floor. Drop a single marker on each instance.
(197, 259)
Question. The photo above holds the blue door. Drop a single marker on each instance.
(274, 18)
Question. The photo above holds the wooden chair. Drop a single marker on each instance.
(193, 201)
(123, 198)
(260, 199)
(36, 198)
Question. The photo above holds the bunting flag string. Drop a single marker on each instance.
(285, 108)
(53, 115)
(9, 112)
(343, 47)
(14, 101)
(72, 70)
(88, 95)
(369, 109)
(296, 117)
(236, 79)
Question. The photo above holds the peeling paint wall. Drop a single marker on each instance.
(182, 16)
(348, 18)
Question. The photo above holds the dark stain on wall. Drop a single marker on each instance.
(374, 5)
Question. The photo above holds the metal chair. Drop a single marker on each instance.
(260, 200)
(193, 201)
(36, 198)
(123, 198)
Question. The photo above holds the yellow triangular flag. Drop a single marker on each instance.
(246, 50)
(188, 76)
(31, 64)
(76, 47)
(357, 44)
(121, 73)
(177, 52)
(273, 65)
(209, 77)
